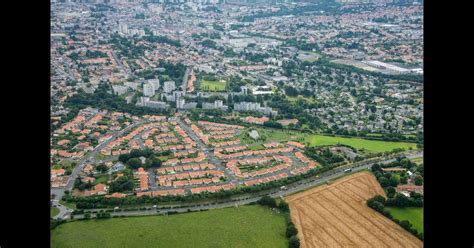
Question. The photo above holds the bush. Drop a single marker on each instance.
(267, 201)
(103, 215)
(294, 242)
(291, 230)
(284, 207)
(378, 198)
(54, 223)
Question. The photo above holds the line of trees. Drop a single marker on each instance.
(99, 201)
(291, 230)
(378, 203)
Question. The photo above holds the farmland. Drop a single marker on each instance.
(246, 226)
(212, 85)
(414, 215)
(336, 215)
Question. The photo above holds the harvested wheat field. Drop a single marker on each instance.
(336, 215)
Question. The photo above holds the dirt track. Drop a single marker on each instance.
(336, 215)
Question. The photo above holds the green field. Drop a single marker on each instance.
(272, 135)
(68, 204)
(309, 56)
(102, 179)
(54, 212)
(296, 98)
(277, 135)
(414, 215)
(322, 140)
(212, 85)
(246, 226)
(417, 160)
(358, 143)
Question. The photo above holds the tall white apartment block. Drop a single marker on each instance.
(180, 102)
(218, 104)
(169, 86)
(148, 89)
(155, 82)
(123, 28)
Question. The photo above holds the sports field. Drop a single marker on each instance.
(358, 143)
(246, 226)
(414, 215)
(212, 85)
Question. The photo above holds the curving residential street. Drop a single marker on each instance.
(90, 157)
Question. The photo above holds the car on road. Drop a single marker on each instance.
(347, 170)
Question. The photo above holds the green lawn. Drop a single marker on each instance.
(212, 85)
(102, 179)
(414, 215)
(417, 160)
(271, 135)
(296, 98)
(68, 204)
(54, 212)
(322, 140)
(246, 226)
(358, 143)
(100, 156)
(309, 56)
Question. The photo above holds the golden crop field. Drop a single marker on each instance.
(336, 215)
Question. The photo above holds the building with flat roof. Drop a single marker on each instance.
(148, 89)
(169, 86)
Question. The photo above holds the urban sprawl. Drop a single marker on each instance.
(180, 98)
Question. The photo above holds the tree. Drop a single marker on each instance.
(391, 191)
(124, 158)
(134, 163)
(156, 162)
(403, 180)
(290, 91)
(291, 230)
(376, 167)
(394, 181)
(283, 206)
(378, 198)
(267, 201)
(405, 224)
(101, 168)
(294, 242)
(419, 180)
(384, 182)
(121, 184)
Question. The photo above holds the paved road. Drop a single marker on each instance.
(296, 187)
(209, 154)
(184, 84)
(90, 157)
(64, 212)
(119, 63)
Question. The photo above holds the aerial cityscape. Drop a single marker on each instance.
(236, 123)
